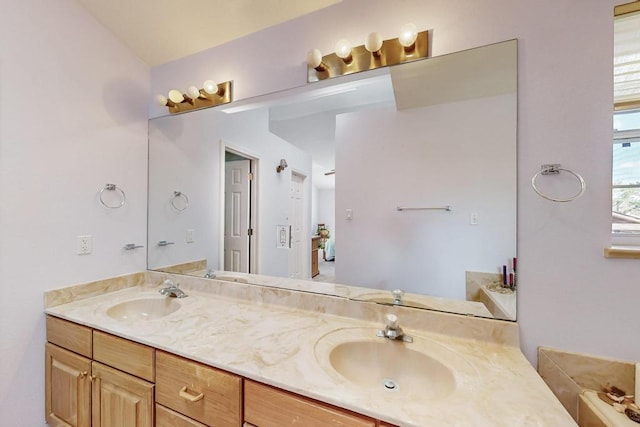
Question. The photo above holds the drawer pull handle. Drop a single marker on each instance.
(188, 396)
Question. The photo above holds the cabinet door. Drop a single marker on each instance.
(67, 388)
(120, 399)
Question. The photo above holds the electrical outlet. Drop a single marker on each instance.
(473, 218)
(190, 233)
(84, 245)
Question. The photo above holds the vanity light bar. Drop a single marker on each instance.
(360, 58)
(211, 95)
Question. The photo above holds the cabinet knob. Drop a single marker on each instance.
(82, 374)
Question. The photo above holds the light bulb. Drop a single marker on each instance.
(314, 58)
(343, 50)
(408, 35)
(176, 96)
(193, 92)
(210, 87)
(161, 100)
(373, 43)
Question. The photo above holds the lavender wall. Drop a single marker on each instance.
(568, 291)
(73, 117)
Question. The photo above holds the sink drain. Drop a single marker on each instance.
(390, 385)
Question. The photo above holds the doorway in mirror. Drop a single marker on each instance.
(238, 208)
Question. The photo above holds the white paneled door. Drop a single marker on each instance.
(296, 251)
(236, 215)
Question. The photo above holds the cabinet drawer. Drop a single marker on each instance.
(71, 336)
(266, 406)
(125, 355)
(165, 417)
(206, 394)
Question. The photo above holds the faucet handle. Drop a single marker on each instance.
(167, 282)
(392, 321)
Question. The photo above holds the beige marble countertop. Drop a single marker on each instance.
(254, 332)
(606, 412)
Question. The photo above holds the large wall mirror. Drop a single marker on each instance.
(410, 169)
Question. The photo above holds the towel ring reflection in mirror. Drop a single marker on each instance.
(554, 169)
(112, 187)
(181, 199)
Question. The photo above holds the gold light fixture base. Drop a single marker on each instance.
(391, 53)
(205, 100)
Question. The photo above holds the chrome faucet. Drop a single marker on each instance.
(172, 290)
(393, 331)
(209, 274)
(397, 296)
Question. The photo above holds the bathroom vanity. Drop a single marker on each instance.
(228, 354)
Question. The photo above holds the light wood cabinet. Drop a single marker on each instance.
(206, 394)
(100, 380)
(266, 406)
(120, 399)
(67, 388)
(315, 269)
(80, 392)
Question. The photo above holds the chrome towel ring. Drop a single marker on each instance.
(179, 195)
(554, 169)
(112, 187)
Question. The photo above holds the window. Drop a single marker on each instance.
(625, 192)
(626, 173)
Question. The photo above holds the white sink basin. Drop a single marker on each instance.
(378, 365)
(143, 309)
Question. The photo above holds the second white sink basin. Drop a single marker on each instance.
(144, 309)
(235, 279)
(382, 298)
(422, 369)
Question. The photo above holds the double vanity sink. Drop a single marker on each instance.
(456, 371)
(377, 365)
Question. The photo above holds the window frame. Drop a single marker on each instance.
(621, 238)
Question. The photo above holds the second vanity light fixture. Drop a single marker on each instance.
(210, 95)
(375, 53)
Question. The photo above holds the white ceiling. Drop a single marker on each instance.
(308, 120)
(160, 31)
